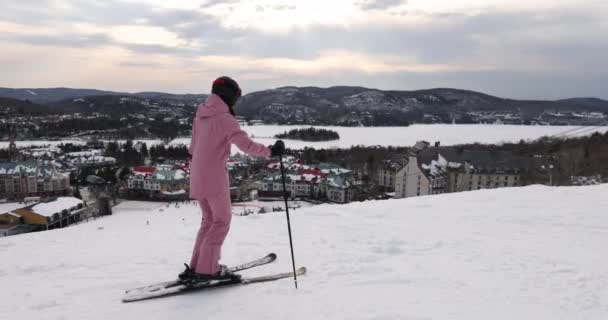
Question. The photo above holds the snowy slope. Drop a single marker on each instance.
(521, 253)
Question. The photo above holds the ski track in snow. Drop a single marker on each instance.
(519, 253)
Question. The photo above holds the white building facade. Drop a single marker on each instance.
(411, 181)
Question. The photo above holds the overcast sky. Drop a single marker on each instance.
(539, 49)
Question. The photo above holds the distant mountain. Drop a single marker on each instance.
(103, 104)
(352, 104)
(342, 105)
(189, 99)
(593, 103)
(47, 95)
(15, 106)
(128, 103)
(51, 95)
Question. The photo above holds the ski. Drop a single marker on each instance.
(269, 258)
(184, 288)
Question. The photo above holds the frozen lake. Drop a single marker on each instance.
(447, 134)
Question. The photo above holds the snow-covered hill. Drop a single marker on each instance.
(522, 253)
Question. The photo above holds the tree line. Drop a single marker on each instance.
(309, 134)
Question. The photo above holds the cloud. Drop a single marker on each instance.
(140, 64)
(63, 40)
(380, 4)
(211, 3)
(497, 47)
(332, 61)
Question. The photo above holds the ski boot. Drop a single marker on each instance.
(224, 274)
(186, 274)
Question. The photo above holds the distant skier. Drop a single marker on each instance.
(214, 129)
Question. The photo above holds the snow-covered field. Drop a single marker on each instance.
(407, 136)
(241, 208)
(522, 253)
(447, 134)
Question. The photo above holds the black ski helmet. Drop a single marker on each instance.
(227, 89)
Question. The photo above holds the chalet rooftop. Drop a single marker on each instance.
(169, 175)
(489, 161)
(391, 164)
(54, 205)
(10, 206)
(23, 167)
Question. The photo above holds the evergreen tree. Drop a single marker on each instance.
(77, 192)
(144, 150)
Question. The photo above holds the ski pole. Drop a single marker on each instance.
(293, 260)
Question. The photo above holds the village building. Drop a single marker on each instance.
(387, 173)
(438, 170)
(411, 181)
(168, 181)
(54, 213)
(338, 189)
(32, 178)
(140, 180)
(302, 184)
(322, 182)
(90, 158)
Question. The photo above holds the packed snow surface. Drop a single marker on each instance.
(521, 253)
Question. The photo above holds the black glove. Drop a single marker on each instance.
(277, 149)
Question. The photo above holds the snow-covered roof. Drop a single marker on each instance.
(10, 206)
(338, 182)
(441, 158)
(24, 167)
(174, 193)
(232, 164)
(13, 214)
(436, 167)
(391, 165)
(48, 209)
(143, 171)
(336, 171)
(169, 174)
(88, 159)
(315, 172)
(94, 152)
(311, 178)
(289, 162)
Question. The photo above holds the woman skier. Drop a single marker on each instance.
(214, 130)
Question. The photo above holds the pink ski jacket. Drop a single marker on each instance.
(214, 129)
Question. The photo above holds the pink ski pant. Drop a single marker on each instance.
(215, 224)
